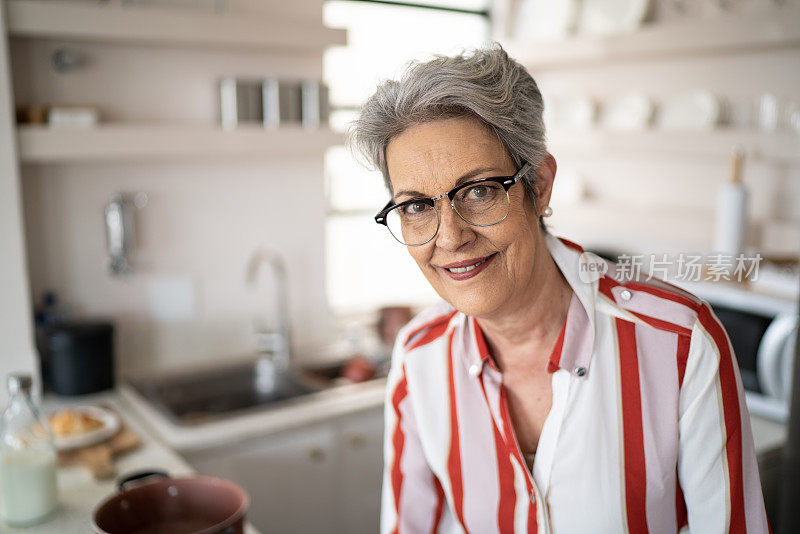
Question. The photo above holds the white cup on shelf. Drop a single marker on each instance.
(768, 115)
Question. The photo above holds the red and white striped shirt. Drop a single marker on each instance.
(648, 429)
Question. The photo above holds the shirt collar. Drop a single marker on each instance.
(577, 336)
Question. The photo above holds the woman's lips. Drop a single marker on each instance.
(467, 269)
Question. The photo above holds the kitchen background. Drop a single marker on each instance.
(645, 102)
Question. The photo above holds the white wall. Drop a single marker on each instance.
(16, 343)
(204, 218)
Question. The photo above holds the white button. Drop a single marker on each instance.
(580, 371)
(533, 495)
(626, 295)
(474, 369)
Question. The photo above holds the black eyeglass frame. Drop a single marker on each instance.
(505, 181)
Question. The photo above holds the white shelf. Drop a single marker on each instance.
(163, 26)
(714, 144)
(650, 227)
(134, 142)
(773, 28)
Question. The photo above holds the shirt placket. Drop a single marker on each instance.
(563, 382)
(491, 382)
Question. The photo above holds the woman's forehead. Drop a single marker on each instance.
(432, 156)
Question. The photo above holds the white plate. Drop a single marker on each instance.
(545, 19)
(605, 17)
(698, 111)
(573, 112)
(110, 427)
(627, 113)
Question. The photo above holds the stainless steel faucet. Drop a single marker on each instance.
(275, 345)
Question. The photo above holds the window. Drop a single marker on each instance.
(366, 268)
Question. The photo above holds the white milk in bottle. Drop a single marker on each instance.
(28, 492)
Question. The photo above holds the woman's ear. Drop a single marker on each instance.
(546, 174)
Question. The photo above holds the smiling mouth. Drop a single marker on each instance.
(467, 268)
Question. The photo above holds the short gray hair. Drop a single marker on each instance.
(485, 84)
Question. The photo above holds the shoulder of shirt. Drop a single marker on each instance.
(657, 303)
(653, 301)
(427, 326)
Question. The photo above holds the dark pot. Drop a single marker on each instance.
(154, 503)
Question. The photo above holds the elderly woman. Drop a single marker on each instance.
(535, 398)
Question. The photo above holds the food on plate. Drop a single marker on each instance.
(71, 422)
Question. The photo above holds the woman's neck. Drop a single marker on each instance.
(524, 332)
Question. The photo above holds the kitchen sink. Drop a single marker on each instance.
(202, 396)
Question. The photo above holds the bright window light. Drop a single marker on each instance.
(366, 268)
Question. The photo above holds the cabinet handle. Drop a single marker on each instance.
(316, 454)
(356, 440)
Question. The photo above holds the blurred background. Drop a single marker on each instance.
(176, 197)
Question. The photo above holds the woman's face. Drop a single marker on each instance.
(427, 160)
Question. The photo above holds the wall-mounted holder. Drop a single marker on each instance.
(121, 230)
(66, 60)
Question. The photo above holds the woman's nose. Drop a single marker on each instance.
(453, 230)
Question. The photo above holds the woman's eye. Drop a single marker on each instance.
(414, 208)
(477, 193)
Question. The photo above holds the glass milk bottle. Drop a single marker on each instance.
(27, 458)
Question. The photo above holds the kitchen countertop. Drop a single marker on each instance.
(79, 493)
(309, 409)
(768, 435)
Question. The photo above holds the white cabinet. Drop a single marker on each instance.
(319, 478)
(289, 478)
(360, 439)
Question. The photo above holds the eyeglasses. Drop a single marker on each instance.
(482, 202)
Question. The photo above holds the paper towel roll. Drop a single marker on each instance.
(731, 225)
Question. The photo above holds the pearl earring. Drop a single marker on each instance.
(547, 212)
